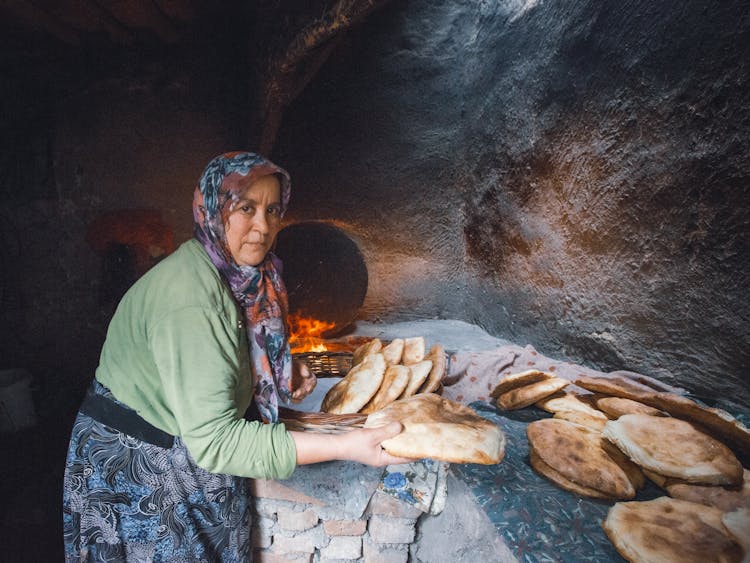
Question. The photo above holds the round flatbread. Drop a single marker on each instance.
(578, 454)
(615, 407)
(726, 499)
(582, 418)
(395, 380)
(354, 391)
(440, 429)
(413, 350)
(562, 401)
(371, 347)
(439, 363)
(737, 523)
(546, 471)
(529, 394)
(516, 380)
(674, 448)
(393, 351)
(418, 374)
(666, 529)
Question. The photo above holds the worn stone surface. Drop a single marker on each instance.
(374, 552)
(296, 520)
(342, 547)
(461, 532)
(389, 529)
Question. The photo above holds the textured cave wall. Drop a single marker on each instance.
(574, 175)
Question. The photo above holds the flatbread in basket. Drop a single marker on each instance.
(440, 429)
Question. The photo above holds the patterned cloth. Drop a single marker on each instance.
(421, 484)
(127, 500)
(258, 289)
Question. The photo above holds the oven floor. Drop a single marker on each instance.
(536, 520)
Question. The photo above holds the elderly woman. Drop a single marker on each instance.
(161, 445)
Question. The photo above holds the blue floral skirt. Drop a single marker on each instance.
(128, 500)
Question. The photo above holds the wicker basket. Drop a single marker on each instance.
(327, 364)
(323, 364)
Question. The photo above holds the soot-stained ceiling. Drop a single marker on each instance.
(260, 54)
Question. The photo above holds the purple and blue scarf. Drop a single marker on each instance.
(259, 289)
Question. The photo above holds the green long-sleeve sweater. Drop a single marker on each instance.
(176, 352)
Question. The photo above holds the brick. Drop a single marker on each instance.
(377, 553)
(261, 536)
(345, 527)
(385, 529)
(263, 488)
(296, 521)
(268, 556)
(293, 544)
(265, 507)
(263, 522)
(343, 547)
(303, 542)
(388, 505)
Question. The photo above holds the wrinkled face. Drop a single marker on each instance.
(254, 221)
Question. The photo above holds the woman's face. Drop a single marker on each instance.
(254, 221)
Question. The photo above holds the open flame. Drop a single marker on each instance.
(306, 334)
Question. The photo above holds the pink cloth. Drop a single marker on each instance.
(472, 375)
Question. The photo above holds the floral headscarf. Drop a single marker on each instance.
(259, 289)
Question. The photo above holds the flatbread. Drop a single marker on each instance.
(354, 391)
(440, 429)
(674, 448)
(515, 380)
(562, 401)
(413, 350)
(530, 394)
(720, 424)
(582, 418)
(370, 347)
(418, 374)
(615, 407)
(634, 472)
(737, 523)
(546, 471)
(395, 380)
(577, 453)
(666, 529)
(725, 499)
(393, 351)
(437, 356)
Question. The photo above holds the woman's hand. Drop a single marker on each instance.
(303, 381)
(361, 445)
(364, 445)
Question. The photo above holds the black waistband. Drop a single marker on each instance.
(123, 419)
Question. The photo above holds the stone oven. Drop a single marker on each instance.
(570, 178)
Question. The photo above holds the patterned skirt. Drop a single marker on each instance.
(128, 500)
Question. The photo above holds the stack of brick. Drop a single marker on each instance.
(290, 526)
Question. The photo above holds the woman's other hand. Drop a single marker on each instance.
(303, 381)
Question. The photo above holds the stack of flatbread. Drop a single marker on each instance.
(608, 434)
(382, 374)
(440, 429)
(401, 382)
